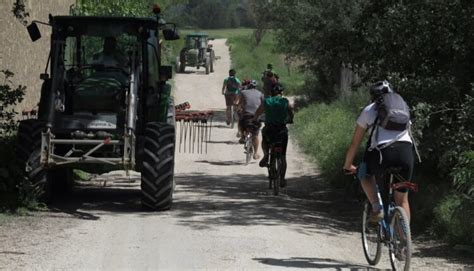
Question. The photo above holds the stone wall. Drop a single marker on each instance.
(18, 53)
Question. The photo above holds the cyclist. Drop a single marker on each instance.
(398, 154)
(269, 80)
(249, 100)
(278, 112)
(230, 90)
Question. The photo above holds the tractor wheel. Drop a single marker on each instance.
(158, 166)
(28, 139)
(208, 65)
(37, 182)
(213, 58)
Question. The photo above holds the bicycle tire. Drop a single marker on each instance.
(248, 149)
(371, 238)
(276, 175)
(400, 250)
(233, 116)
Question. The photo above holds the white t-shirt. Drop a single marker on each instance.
(366, 120)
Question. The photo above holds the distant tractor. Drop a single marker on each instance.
(105, 105)
(197, 52)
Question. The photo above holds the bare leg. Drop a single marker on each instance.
(255, 147)
(228, 114)
(370, 188)
(401, 199)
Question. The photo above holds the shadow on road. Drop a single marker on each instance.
(317, 263)
(246, 200)
(89, 200)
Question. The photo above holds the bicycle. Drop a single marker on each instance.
(234, 116)
(274, 167)
(248, 143)
(393, 230)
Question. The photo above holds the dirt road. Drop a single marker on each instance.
(223, 216)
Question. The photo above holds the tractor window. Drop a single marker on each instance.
(153, 65)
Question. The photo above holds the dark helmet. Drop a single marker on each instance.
(278, 88)
(269, 66)
(380, 88)
(232, 72)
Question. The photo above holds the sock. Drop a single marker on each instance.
(376, 206)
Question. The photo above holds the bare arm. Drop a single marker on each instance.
(359, 133)
(259, 112)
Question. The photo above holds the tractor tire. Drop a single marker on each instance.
(208, 65)
(37, 182)
(28, 139)
(213, 58)
(157, 184)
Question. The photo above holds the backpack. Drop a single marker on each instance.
(393, 112)
(232, 84)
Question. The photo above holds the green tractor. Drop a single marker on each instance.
(197, 52)
(105, 105)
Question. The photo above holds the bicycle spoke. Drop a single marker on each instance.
(371, 239)
(400, 244)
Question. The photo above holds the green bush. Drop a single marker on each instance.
(325, 132)
(455, 219)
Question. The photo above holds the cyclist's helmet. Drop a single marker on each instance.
(277, 88)
(379, 88)
(253, 83)
(232, 72)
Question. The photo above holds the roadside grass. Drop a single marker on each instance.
(250, 60)
(324, 132)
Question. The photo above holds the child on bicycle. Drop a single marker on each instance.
(250, 100)
(399, 153)
(230, 89)
(278, 112)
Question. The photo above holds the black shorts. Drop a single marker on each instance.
(276, 134)
(399, 154)
(246, 123)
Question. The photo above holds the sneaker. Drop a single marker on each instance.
(263, 162)
(256, 156)
(242, 140)
(375, 217)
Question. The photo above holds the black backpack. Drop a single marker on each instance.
(393, 112)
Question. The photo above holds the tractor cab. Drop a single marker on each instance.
(105, 102)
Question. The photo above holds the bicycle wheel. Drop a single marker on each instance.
(400, 243)
(371, 239)
(276, 174)
(233, 117)
(248, 149)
